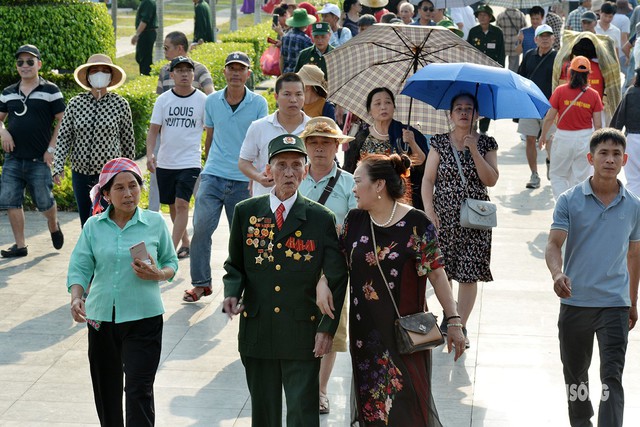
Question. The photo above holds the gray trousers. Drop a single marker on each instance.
(576, 329)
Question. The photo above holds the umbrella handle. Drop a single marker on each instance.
(473, 111)
(409, 117)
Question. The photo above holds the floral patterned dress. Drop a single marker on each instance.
(466, 251)
(391, 389)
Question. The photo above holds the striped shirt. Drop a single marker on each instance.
(30, 117)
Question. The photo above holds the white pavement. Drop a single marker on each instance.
(510, 377)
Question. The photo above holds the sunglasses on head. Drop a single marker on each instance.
(427, 9)
(30, 62)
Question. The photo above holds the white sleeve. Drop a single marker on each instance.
(158, 111)
(249, 150)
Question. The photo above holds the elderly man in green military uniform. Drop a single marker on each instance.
(321, 33)
(279, 245)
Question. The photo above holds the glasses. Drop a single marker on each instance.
(21, 62)
(428, 9)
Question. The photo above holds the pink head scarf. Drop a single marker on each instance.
(111, 169)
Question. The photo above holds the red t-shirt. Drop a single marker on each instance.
(595, 78)
(580, 116)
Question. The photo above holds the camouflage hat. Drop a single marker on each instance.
(286, 143)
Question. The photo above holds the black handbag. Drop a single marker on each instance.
(414, 332)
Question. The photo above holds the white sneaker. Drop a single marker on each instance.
(534, 182)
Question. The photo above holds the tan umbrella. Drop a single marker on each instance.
(386, 55)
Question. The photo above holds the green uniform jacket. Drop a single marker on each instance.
(276, 273)
(311, 55)
(491, 44)
(202, 23)
(147, 13)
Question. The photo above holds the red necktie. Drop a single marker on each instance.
(279, 217)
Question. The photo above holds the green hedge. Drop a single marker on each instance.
(141, 94)
(67, 32)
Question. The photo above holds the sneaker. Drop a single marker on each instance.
(534, 182)
(548, 162)
(14, 251)
(57, 238)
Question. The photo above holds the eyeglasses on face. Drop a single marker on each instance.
(30, 62)
(427, 9)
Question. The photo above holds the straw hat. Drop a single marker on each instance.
(324, 126)
(118, 76)
(374, 4)
(312, 75)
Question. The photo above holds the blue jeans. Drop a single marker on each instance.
(213, 194)
(32, 174)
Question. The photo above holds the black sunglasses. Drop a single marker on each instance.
(30, 62)
(428, 9)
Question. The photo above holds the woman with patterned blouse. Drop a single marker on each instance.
(392, 389)
(96, 128)
(388, 136)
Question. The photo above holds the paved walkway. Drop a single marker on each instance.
(511, 375)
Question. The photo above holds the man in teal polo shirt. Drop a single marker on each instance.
(333, 188)
(228, 114)
(598, 283)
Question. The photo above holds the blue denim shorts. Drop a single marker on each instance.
(21, 174)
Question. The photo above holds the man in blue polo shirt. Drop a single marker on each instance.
(30, 107)
(598, 283)
(228, 114)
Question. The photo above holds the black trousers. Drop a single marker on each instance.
(144, 51)
(577, 327)
(267, 377)
(82, 185)
(129, 348)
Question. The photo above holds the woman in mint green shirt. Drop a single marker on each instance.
(124, 307)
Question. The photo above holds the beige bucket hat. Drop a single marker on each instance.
(118, 76)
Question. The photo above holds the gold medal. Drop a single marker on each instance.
(271, 235)
(249, 242)
(298, 233)
(308, 257)
(258, 259)
(264, 232)
(297, 256)
(270, 258)
(288, 253)
(253, 220)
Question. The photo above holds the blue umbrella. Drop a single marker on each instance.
(501, 93)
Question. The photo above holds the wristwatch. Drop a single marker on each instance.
(51, 150)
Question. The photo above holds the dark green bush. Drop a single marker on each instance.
(67, 32)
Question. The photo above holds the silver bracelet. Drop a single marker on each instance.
(454, 325)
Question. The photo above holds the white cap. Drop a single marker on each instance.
(330, 8)
(544, 28)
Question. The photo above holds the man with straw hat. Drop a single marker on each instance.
(295, 40)
(320, 32)
(96, 128)
(280, 244)
(333, 188)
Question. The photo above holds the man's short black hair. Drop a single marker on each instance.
(607, 135)
(288, 77)
(608, 8)
(536, 10)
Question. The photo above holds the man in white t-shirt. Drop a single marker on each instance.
(607, 11)
(179, 113)
(289, 118)
(464, 18)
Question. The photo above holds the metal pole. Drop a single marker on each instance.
(214, 24)
(257, 9)
(233, 17)
(158, 52)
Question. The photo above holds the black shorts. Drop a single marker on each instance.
(176, 184)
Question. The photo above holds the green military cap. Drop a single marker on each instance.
(486, 9)
(320, 28)
(286, 143)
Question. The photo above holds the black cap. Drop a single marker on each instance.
(286, 143)
(239, 57)
(589, 16)
(30, 49)
(180, 60)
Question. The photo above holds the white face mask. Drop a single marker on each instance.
(99, 80)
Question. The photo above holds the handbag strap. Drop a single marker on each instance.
(375, 254)
(584, 89)
(544, 58)
(329, 188)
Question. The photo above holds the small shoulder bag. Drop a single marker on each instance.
(477, 214)
(415, 332)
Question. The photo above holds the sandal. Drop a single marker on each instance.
(324, 404)
(192, 296)
(183, 252)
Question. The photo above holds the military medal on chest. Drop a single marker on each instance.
(260, 235)
(296, 246)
